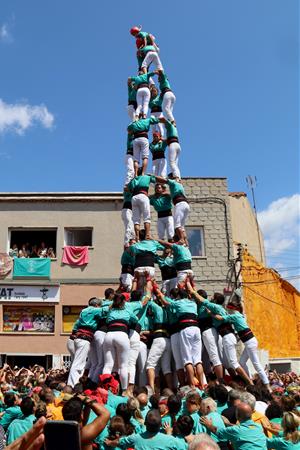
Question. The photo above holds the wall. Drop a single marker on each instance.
(244, 226)
(273, 309)
(104, 217)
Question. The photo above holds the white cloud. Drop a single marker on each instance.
(5, 34)
(21, 116)
(280, 224)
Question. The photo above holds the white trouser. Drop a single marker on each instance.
(126, 280)
(175, 345)
(142, 99)
(71, 348)
(159, 167)
(210, 339)
(134, 341)
(160, 351)
(250, 352)
(181, 212)
(91, 366)
(158, 126)
(229, 351)
(141, 362)
(116, 350)
(140, 208)
(97, 359)
(190, 345)
(128, 225)
(183, 274)
(152, 57)
(174, 150)
(140, 149)
(81, 347)
(131, 112)
(141, 271)
(168, 105)
(168, 285)
(165, 225)
(129, 168)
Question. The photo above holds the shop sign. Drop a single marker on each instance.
(18, 293)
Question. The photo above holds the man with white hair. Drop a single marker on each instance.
(208, 409)
(203, 442)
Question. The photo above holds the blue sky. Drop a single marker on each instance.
(234, 67)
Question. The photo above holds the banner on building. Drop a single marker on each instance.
(75, 256)
(6, 265)
(32, 268)
(18, 293)
(28, 319)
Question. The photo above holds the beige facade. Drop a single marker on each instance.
(245, 229)
(209, 228)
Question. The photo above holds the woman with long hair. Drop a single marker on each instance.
(291, 434)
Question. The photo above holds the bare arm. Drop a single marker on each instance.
(91, 431)
(165, 243)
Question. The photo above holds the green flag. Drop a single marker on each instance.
(31, 268)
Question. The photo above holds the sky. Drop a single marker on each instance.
(233, 66)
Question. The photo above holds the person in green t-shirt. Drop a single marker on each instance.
(139, 188)
(129, 163)
(132, 104)
(162, 203)
(155, 106)
(158, 148)
(126, 215)
(141, 84)
(167, 96)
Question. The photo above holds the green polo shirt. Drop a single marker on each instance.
(127, 258)
(10, 414)
(215, 309)
(163, 81)
(127, 196)
(171, 129)
(149, 441)
(279, 443)
(142, 124)
(123, 314)
(237, 320)
(90, 316)
(159, 314)
(162, 262)
(161, 202)
(131, 93)
(19, 427)
(176, 188)
(155, 102)
(159, 146)
(181, 254)
(141, 182)
(129, 150)
(141, 79)
(148, 245)
(183, 306)
(246, 436)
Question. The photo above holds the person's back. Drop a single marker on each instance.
(12, 411)
(18, 427)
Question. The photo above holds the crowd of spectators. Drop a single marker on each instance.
(32, 251)
(228, 415)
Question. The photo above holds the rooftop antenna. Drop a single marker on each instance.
(252, 183)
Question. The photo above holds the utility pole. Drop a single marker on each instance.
(252, 183)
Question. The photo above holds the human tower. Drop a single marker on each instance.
(144, 97)
(141, 325)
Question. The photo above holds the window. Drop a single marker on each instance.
(32, 242)
(70, 315)
(78, 236)
(195, 237)
(30, 319)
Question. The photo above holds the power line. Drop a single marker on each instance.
(272, 301)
